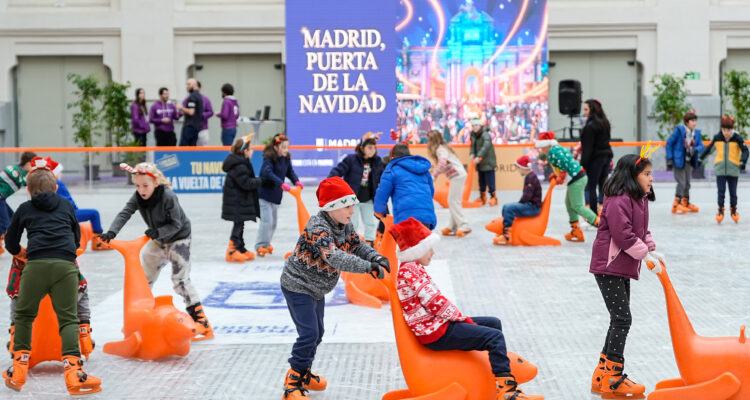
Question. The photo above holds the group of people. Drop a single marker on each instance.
(196, 109)
(357, 191)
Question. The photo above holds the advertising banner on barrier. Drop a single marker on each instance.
(192, 171)
(339, 70)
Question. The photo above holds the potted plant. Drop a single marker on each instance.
(670, 103)
(116, 118)
(86, 123)
(736, 91)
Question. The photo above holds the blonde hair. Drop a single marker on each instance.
(434, 141)
(41, 180)
(160, 178)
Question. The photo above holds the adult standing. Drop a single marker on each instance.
(596, 153)
(208, 112)
(229, 113)
(192, 108)
(139, 117)
(162, 115)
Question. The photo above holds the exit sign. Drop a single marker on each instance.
(693, 76)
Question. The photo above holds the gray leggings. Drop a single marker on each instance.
(84, 312)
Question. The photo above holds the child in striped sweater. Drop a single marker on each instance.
(435, 321)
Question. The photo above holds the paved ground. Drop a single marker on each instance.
(551, 309)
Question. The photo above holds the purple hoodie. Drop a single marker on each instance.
(230, 111)
(161, 110)
(139, 123)
(208, 111)
(623, 238)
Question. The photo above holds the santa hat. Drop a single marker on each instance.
(523, 162)
(545, 139)
(414, 240)
(334, 193)
(54, 166)
(38, 163)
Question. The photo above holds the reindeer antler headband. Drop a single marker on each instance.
(646, 151)
(141, 171)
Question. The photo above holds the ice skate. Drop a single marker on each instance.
(463, 232)
(507, 389)
(448, 232)
(311, 381)
(575, 234)
(15, 376)
(503, 239)
(596, 378)
(249, 255)
(78, 381)
(233, 255)
(481, 199)
(720, 214)
(294, 386)
(617, 385)
(493, 199)
(262, 251)
(205, 330)
(85, 341)
(677, 207)
(735, 215)
(689, 206)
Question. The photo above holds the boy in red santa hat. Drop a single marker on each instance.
(328, 245)
(435, 321)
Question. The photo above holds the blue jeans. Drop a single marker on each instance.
(267, 225)
(189, 136)
(227, 136)
(721, 186)
(486, 335)
(6, 213)
(91, 215)
(513, 210)
(307, 314)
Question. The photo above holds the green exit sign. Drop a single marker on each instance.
(694, 76)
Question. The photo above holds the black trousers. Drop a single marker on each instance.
(616, 294)
(721, 185)
(238, 230)
(164, 138)
(486, 180)
(141, 138)
(597, 172)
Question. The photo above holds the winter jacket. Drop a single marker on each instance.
(240, 193)
(731, 155)
(229, 113)
(273, 174)
(161, 211)
(351, 168)
(594, 143)
(562, 160)
(206, 113)
(161, 110)
(324, 249)
(138, 122)
(12, 178)
(426, 311)
(448, 163)
(407, 179)
(532, 190)
(623, 238)
(676, 147)
(63, 192)
(51, 226)
(481, 146)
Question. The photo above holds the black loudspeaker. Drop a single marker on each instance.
(569, 97)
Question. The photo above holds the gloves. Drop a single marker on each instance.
(669, 165)
(285, 187)
(479, 160)
(383, 262)
(152, 233)
(656, 259)
(376, 271)
(298, 184)
(106, 237)
(22, 255)
(561, 178)
(552, 177)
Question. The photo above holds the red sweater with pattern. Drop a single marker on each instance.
(426, 311)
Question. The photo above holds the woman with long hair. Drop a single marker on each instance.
(139, 117)
(596, 153)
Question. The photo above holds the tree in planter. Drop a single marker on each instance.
(736, 89)
(670, 103)
(116, 117)
(86, 119)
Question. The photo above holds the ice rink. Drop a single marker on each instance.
(549, 304)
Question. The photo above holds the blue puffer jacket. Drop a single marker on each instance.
(273, 174)
(676, 147)
(408, 181)
(352, 167)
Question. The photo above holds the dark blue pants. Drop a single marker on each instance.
(486, 180)
(307, 314)
(189, 136)
(227, 136)
(6, 213)
(513, 210)
(486, 335)
(91, 215)
(721, 185)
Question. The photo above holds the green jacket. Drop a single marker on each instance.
(731, 155)
(12, 178)
(562, 160)
(481, 146)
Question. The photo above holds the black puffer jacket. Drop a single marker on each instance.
(594, 143)
(240, 193)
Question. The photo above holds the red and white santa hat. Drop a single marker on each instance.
(523, 162)
(54, 166)
(334, 193)
(545, 139)
(414, 240)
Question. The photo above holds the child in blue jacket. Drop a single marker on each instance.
(277, 166)
(683, 148)
(407, 180)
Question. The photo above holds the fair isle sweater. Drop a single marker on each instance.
(426, 311)
(323, 250)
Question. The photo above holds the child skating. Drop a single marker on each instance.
(530, 204)
(683, 147)
(239, 197)
(447, 162)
